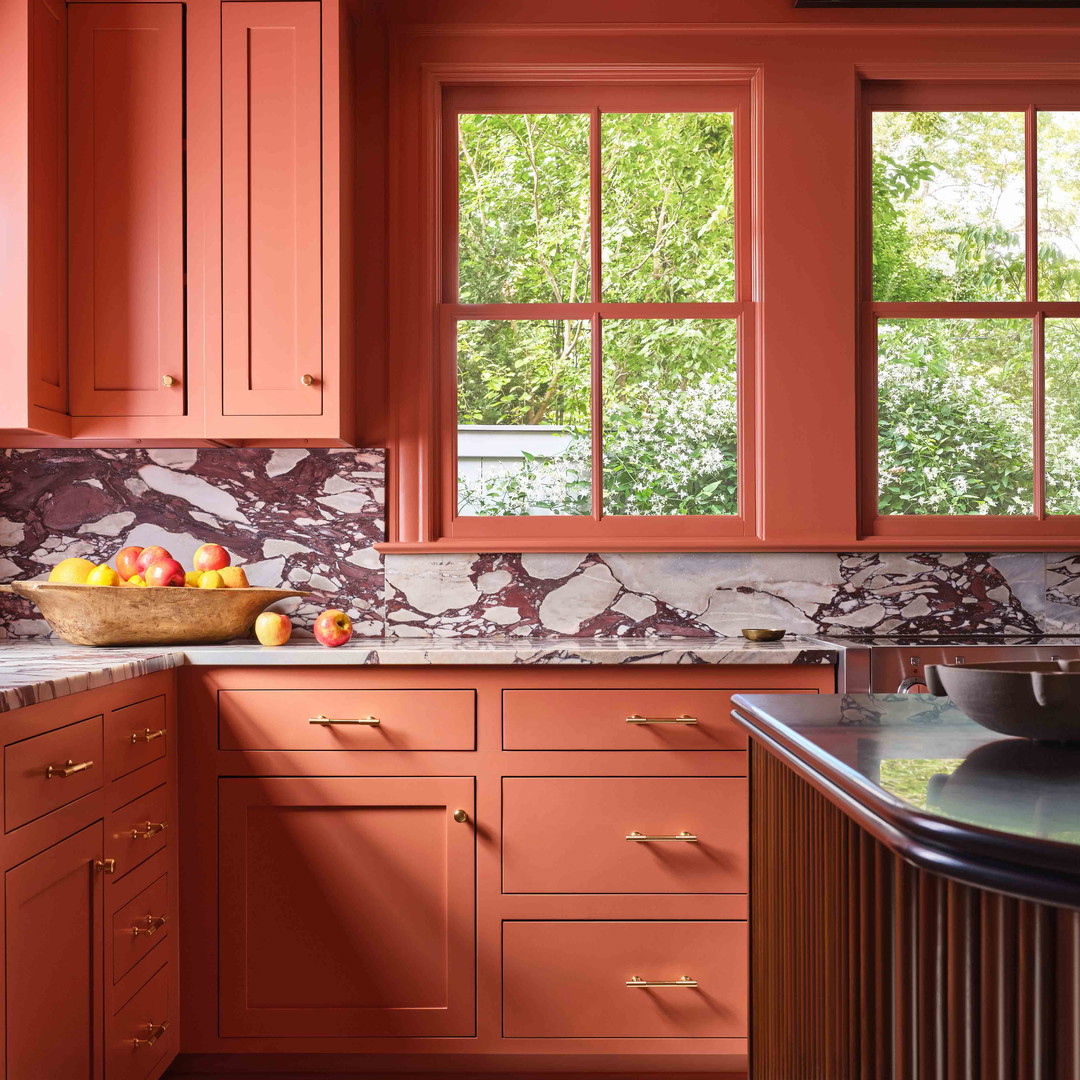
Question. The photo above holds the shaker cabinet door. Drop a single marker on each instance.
(346, 906)
(272, 209)
(126, 209)
(53, 968)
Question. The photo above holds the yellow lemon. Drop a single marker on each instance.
(211, 579)
(103, 575)
(71, 571)
(232, 577)
(136, 579)
(191, 577)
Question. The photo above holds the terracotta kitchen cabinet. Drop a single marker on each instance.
(180, 180)
(347, 906)
(54, 986)
(81, 938)
(126, 209)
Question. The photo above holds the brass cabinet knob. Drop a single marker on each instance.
(105, 866)
(167, 380)
(307, 380)
(461, 816)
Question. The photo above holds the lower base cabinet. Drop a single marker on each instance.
(347, 906)
(53, 934)
(624, 980)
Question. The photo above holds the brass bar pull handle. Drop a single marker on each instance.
(684, 837)
(325, 721)
(635, 719)
(151, 926)
(681, 981)
(69, 768)
(147, 735)
(150, 829)
(153, 1033)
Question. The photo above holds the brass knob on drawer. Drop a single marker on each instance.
(307, 380)
(167, 380)
(461, 816)
(105, 866)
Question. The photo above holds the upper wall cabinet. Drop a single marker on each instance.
(172, 257)
(126, 203)
(272, 193)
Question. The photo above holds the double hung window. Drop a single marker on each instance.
(596, 311)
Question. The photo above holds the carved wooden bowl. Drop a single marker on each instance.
(111, 615)
(1030, 700)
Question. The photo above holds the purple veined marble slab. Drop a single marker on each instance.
(295, 518)
(34, 671)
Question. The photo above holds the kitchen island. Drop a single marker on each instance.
(915, 893)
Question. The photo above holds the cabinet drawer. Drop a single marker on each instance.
(620, 720)
(142, 1032)
(134, 736)
(139, 925)
(390, 719)
(569, 834)
(138, 830)
(30, 790)
(568, 979)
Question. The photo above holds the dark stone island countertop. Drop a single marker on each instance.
(934, 786)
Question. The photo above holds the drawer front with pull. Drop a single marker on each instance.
(135, 735)
(139, 925)
(138, 830)
(653, 834)
(50, 770)
(142, 1032)
(624, 979)
(347, 719)
(573, 719)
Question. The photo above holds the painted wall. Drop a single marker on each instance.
(308, 519)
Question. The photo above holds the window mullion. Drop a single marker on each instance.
(596, 405)
(1038, 448)
(1031, 204)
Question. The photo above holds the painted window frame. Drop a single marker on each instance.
(977, 95)
(431, 453)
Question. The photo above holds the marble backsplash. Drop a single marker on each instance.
(309, 519)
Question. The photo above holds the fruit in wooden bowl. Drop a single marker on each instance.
(91, 615)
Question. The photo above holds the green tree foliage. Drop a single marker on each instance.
(955, 395)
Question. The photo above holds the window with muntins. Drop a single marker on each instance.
(596, 311)
(971, 308)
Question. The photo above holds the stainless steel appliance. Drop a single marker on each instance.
(894, 665)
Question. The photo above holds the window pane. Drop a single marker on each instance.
(523, 195)
(668, 207)
(1059, 205)
(670, 418)
(948, 206)
(955, 416)
(524, 444)
(1062, 416)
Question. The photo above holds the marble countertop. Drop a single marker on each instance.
(33, 671)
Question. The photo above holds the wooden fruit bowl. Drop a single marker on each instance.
(113, 615)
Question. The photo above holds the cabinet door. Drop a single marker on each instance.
(272, 208)
(126, 209)
(346, 906)
(53, 970)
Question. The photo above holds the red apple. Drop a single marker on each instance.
(127, 562)
(273, 628)
(150, 555)
(210, 557)
(164, 572)
(333, 628)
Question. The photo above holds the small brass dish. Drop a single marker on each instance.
(763, 635)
